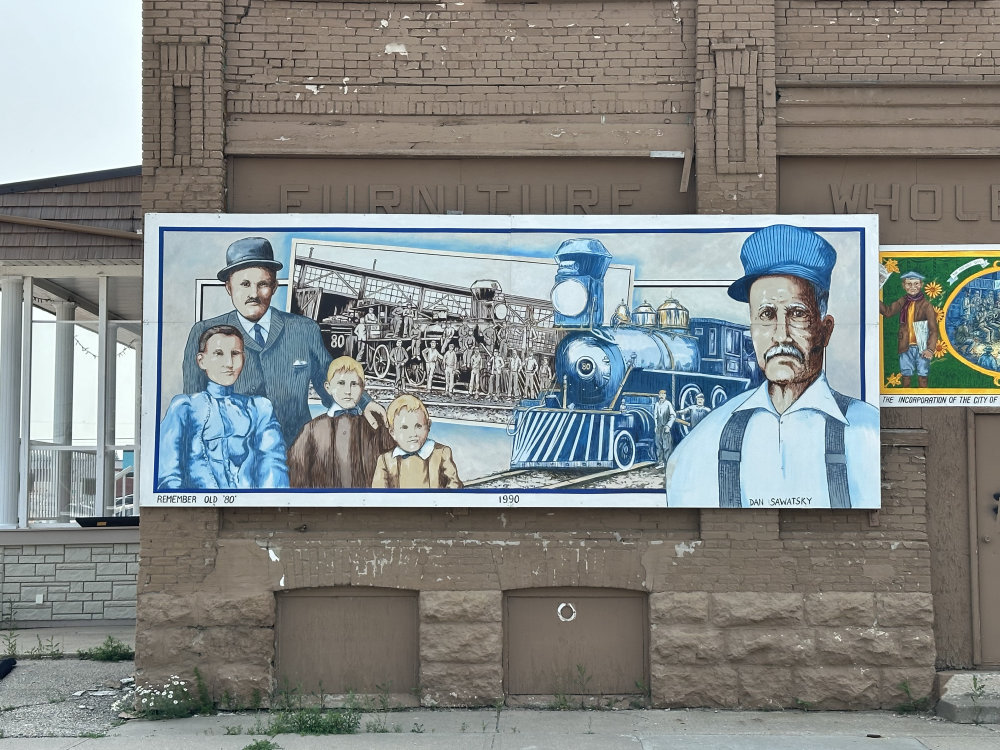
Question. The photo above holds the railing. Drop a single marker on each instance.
(62, 485)
(124, 499)
(62, 481)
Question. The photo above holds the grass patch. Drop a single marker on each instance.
(111, 650)
(314, 721)
(262, 745)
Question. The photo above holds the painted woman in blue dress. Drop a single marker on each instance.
(218, 439)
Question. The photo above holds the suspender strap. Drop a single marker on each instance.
(836, 457)
(730, 454)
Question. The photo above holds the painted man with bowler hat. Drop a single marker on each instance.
(283, 352)
(793, 441)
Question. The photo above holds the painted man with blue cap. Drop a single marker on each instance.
(793, 441)
(284, 352)
(918, 328)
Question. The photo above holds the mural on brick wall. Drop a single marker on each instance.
(576, 361)
(940, 318)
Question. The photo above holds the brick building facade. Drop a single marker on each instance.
(821, 106)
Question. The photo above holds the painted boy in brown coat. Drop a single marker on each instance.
(339, 449)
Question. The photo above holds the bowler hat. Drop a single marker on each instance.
(250, 252)
(784, 250)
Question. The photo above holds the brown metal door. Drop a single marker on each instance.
(988, 534)
(347, 639)
(575, 641)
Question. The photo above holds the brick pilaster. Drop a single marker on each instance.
(735, 116)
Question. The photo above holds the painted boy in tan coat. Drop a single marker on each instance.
(415, 462)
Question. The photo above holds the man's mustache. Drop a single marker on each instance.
(784, 350)
(252, 301)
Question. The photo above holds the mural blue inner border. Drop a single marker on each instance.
(162, 231)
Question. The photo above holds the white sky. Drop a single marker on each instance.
(70, 83)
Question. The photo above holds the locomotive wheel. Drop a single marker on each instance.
(380, 361)
(416, 374)
(624, 450)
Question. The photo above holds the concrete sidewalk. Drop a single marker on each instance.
(518, 729)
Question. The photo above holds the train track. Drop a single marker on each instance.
(495, 477)
(550, 479)
(603, 474)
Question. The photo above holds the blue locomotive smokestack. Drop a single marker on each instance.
(578, 293)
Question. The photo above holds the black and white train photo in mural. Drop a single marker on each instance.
(511, 361)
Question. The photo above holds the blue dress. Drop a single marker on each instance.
(219, 440)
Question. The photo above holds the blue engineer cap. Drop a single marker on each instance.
(784, 250)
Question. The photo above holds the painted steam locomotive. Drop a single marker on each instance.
(600, 413)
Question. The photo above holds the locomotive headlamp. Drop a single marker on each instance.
(570, 297)
(585, 367)
(500, 311)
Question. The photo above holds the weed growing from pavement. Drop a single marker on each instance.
(9, 640)
(174, 700)
(47, 649)
(378, 706)
(9, 636)
(647, 695)
(577, 686)
(111, 650)
(912, 705)
(976, 694)
(314, 721)
(262, 745)
(290, 715)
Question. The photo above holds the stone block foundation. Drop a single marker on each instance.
(746, 608)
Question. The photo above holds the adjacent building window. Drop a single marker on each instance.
(72, 438)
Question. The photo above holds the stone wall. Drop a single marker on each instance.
(53, 583)
(461, 647)
(830, 650)
(750, 608)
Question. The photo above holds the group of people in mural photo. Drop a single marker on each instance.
(974, 329)
(244, 420)
(338, 392)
